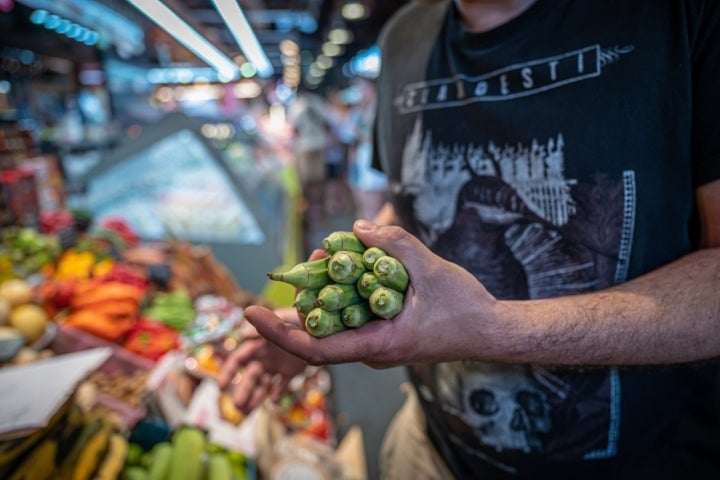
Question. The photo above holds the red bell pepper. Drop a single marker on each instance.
(151, 339)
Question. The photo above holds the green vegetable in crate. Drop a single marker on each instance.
(386, 302)
(391, 273)
(219, 467)
(134, 472)
(187, 454)
(305, 300)
(161, 456)
(371, 255)
(366, 284)
(356, 315)
(175, 309)
(337, 296)
(321, 323)
(346, 267)
(342, 241)
(312, 274)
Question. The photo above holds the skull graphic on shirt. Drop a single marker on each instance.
(505, 410)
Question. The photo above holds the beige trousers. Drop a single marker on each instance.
(407, 452)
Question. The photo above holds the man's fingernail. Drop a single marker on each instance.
(363, 225)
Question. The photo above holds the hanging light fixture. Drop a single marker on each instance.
(169, 21)
(238, 25)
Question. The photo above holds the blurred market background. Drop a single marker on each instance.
(189, 122)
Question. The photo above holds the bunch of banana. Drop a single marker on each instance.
(74, 446)
(14, 451)
(351, 286)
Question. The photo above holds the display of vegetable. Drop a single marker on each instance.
(188, 454)
(352, 285)
(151, 339)
(106, 309)
(174, 308)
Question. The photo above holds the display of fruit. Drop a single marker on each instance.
(228, 411)
(30, 320)
(352, 285)
(74, 445)
(62, 424)
(80, 264)
(15, 291)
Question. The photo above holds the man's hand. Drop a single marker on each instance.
(257, 369)
(441, 304)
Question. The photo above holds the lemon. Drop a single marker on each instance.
(30, 320)
(15, 291)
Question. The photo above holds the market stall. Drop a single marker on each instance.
(122, 340)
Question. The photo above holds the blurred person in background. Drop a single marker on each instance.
(367, 184)
(312, 138)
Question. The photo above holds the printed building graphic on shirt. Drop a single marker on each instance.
(509, 215)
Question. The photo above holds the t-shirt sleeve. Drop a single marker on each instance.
(706, 94)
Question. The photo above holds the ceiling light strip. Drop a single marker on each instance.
(169, 21)
(238, 25)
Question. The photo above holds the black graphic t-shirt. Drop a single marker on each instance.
(554, 155)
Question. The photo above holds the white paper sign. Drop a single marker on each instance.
(31, 394)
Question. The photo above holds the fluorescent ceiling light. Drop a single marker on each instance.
(235, 20)
(159, 13)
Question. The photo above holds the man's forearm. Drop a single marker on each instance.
(669, 315)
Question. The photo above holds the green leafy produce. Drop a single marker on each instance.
(175, 309)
